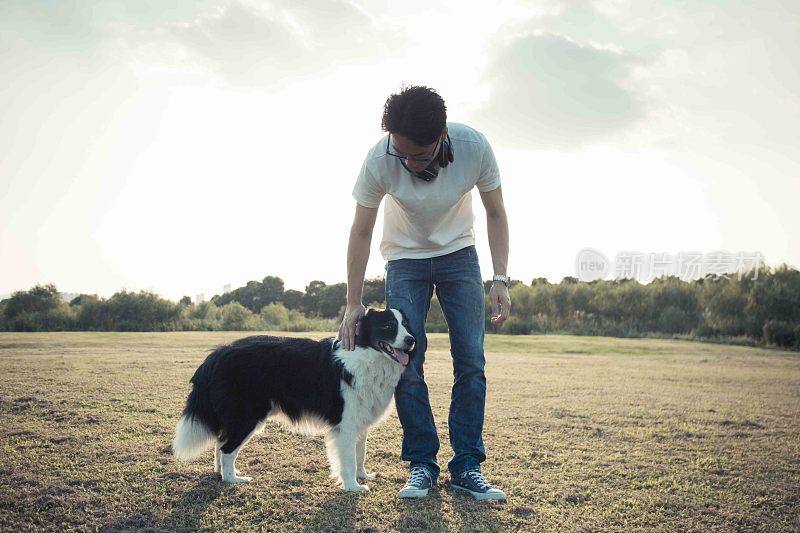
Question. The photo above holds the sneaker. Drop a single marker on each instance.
(472, 481)
(420, 481)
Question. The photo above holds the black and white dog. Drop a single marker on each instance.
(315, 387)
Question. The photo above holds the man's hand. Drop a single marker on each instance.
(500, 301)
(347, 331)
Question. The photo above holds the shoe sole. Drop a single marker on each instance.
(480, 495)
(418, 493)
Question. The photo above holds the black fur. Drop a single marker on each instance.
(235, 388)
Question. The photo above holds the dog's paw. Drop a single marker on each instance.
(356, 488)
(367, 476)
(238, 479)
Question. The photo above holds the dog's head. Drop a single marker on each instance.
(388, 332)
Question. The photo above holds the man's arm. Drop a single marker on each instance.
(357, 257)
(497, 228)
(358, 251)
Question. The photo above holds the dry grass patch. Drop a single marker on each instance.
(581, 432)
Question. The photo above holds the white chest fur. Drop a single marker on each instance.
(368, 398)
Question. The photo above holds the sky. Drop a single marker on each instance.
(177, 147)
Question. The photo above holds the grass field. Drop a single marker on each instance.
(581, 432)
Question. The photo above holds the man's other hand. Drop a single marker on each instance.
(500, 301)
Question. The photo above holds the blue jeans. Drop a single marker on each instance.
(459, 287)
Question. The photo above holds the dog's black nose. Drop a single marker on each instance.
(409, 340)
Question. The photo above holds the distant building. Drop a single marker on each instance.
(200, 298)
(226, 288)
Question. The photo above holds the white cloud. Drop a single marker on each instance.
(260, 44)
(548, 90)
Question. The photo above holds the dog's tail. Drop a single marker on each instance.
(192, 437)
(197, 430)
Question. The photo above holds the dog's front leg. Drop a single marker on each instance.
(346, 450)
(361, 452)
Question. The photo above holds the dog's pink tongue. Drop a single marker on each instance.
(402, 357)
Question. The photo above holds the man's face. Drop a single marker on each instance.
(404, 146)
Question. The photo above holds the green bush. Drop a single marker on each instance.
(236, 317)
(733, 309)
(275, 316)
(61, 318)
(58, 318)
(24, 321)
(518, 325)
(704, 331)
(39, 299)
(92, 314)
(204, 311)
(142, 311)
(676, 320)
(779, 333)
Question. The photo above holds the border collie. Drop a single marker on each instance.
(314, 387)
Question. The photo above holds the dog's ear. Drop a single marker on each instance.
(363, 334)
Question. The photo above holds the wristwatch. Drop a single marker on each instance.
(504, 279)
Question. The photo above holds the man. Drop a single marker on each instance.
(428, 168)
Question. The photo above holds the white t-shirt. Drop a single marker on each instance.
(425, 219)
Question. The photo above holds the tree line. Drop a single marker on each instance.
(756, 307)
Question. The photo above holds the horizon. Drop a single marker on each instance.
(207, 296)
(156, 147)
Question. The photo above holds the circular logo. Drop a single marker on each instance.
(591, 265)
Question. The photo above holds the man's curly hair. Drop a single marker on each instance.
(417, 113)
